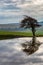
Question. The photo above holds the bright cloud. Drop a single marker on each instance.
(38, 2)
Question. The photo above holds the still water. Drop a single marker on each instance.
(11, 53)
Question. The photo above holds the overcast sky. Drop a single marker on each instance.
(12, 11)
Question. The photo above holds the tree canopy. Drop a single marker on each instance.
(29, 22)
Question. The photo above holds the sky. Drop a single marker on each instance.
(12, 11)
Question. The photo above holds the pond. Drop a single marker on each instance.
(11, 53)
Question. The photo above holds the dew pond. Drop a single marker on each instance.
(11, 52)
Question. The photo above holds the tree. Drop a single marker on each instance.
(29, 22)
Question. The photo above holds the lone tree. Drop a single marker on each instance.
(29, 22)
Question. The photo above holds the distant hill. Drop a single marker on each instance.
(41, 23)
(9, 27)
(16, 27)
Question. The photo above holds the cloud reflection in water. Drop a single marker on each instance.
(11, 53)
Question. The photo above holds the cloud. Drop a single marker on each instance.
(38, 2)
(32, 8)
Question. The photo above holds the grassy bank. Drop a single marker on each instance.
(8, 35)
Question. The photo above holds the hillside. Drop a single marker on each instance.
(16, 27)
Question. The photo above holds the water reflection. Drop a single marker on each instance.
(28, 48)
(11, 53)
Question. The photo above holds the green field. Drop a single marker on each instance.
(8, 35)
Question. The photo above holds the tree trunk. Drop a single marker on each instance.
(34, 38)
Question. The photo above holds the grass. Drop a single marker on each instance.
(16, 33)
(8, 35)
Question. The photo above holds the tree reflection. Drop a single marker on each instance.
(28, 48)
